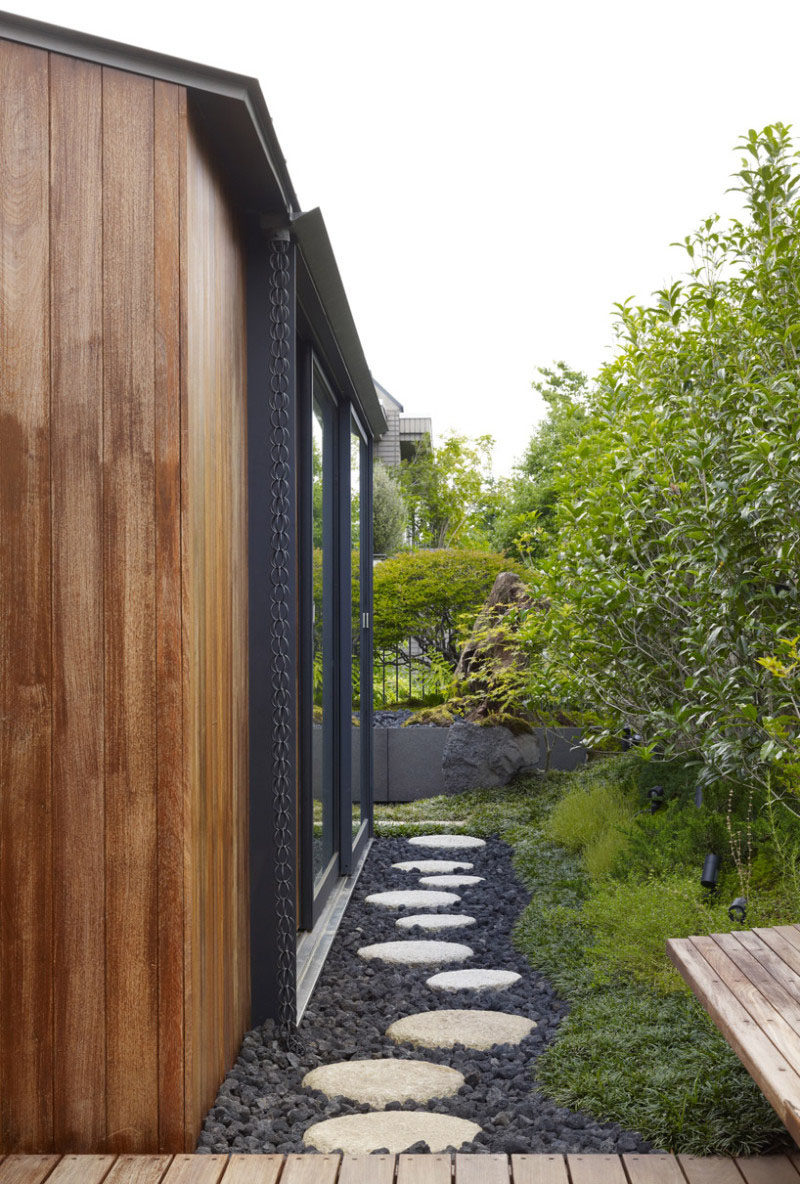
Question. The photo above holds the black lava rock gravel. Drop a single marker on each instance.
(261, 1105)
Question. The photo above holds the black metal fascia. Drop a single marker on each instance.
(312, 238)
(192, 75)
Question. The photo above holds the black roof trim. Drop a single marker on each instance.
(312, 238)
(169, 69)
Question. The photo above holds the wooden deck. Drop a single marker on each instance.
(400, 1169)
(749, 983)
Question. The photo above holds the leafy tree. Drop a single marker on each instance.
(389, 512)
(678, 551)
(432, 596)
(526, 522)
(450, 492)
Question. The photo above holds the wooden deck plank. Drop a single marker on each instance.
(772, 1072)
(196, 1169)
(776, 941)
(310, 1169)
(767, 1169)
(775, 987)
(653, 1169)
(539, 1169)
(81, 1169)
(482, 1169)
(596, 1169)
(253, 1169)
(791, 933)
(711, 1169)
(26, 1169)
(423, 1169)
(367, 1169)
(137, 1169)
(779, 970)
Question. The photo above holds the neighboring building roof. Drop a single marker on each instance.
(384, 397)
(240, 127)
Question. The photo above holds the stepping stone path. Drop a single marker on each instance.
(473, 980)
(377, 1083)
(419, 898)
(435, 921)
(473, 1029)
(417, 953)
(450, 881)
(359, 1134)
(448, 842)
(445, 866)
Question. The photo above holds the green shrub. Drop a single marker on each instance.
(594, 818)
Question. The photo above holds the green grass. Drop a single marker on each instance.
(636, 1048)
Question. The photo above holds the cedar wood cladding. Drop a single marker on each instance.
(124, 976)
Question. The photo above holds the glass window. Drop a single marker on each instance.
(322, 726)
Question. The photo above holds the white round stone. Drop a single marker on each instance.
(412, 898)
(390, 1080)
(473, 980)
(417, 953)
(444, 866)
(473, 1029)
(447, 842)
(435, 921)
(450, 881)
(359, 1134)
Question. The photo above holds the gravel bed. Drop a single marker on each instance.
(261, 1106)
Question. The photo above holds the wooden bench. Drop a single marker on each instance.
(749, 983)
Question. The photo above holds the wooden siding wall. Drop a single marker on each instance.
(123, 958)
(215, 534)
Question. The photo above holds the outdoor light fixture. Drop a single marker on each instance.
(656, 796)
(710, 872)
(738, 910)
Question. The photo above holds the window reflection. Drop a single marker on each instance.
(355, 562)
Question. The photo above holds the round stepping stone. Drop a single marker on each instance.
(450, 881)
(447, 842)
(445, 866)
(473, 980)
(417, 953)
(390, 1080)
(359, 1134)
(435, 921)
(413, 898)
(473, 1029)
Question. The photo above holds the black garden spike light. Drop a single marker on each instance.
(710, 872)
(656, 796)
(738, 910)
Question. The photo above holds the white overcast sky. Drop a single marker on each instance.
(494, 175)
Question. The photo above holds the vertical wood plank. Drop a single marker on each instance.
(196, 1169)
(77, 502)
(255, 1169)
(365, 1169)
(26, 1004)
(767, 1169)
(310, 1169)
(138, 1169)
(653, 1169)
(81, 1169)
(26, 1169)
(481, 1169)
(596, 1169)
(711, 1169)
(539, 1169)
(423, 1169)
(169, 690)
(130, 642)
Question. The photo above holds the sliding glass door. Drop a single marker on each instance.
(336, 687)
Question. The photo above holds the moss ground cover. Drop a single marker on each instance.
(609, 883)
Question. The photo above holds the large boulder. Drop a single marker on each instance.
(478, 757)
